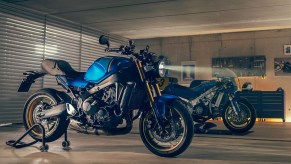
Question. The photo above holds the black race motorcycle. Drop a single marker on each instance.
(112, 93)
(210, 99)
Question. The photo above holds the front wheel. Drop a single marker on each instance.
(239, 123)
(171, 139)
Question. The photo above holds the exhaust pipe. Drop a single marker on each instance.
(61, 109)
(70, 109)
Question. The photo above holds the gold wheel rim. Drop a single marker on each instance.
(31, 120)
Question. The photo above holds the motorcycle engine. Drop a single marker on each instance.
(200, 109)
(100, 108)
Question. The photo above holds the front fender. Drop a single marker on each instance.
(160, 104)
(165, 98)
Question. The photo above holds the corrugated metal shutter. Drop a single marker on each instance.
(62, 41)
(21, 38)
(90, 48)
(26, 38)
(116, 41)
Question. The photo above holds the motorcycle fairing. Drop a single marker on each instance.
(189, 93)
(234, 87)
(181, 91)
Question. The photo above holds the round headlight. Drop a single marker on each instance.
(163, 72)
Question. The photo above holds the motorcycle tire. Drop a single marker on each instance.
(177, 120)
(229, 115)
(40, 99)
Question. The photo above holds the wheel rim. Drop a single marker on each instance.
(168, 139)
(238, 121)
(36, 105)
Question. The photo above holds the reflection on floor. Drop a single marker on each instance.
(265, 143)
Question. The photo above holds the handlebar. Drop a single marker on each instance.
(144, 55)
(113, 50)
(125, 50)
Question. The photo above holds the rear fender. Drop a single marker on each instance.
(30, 78)
(63, 97)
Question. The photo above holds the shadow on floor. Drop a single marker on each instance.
(12, 127)
(224, 132)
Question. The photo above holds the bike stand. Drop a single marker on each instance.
(66, 143)
(44, 147)
(18, 144)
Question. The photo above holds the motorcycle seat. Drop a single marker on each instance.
(59, 67)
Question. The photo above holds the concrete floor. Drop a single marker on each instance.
(266, 143)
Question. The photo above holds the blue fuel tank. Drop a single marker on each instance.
(106, 66)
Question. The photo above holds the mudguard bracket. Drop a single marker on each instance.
(30, 77)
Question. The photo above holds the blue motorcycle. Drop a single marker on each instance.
(211, 99)
(114, 91)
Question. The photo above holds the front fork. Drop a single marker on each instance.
(153, 106)
(233, 101)
(158, 108)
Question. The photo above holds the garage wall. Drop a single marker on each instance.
(204, 47)
(26, 38)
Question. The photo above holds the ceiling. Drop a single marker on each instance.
(138, 19)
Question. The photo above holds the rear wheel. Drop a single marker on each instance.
(240, 123)
(174, 137)
(54, 126)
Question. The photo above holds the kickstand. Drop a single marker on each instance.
(66, 143)
(19, 144)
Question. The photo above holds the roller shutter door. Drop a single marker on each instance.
(28, 37)
(21, 38)
(62, 41)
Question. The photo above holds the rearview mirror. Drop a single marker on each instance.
(103, 40)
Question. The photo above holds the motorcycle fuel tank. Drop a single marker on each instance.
(106, 66)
